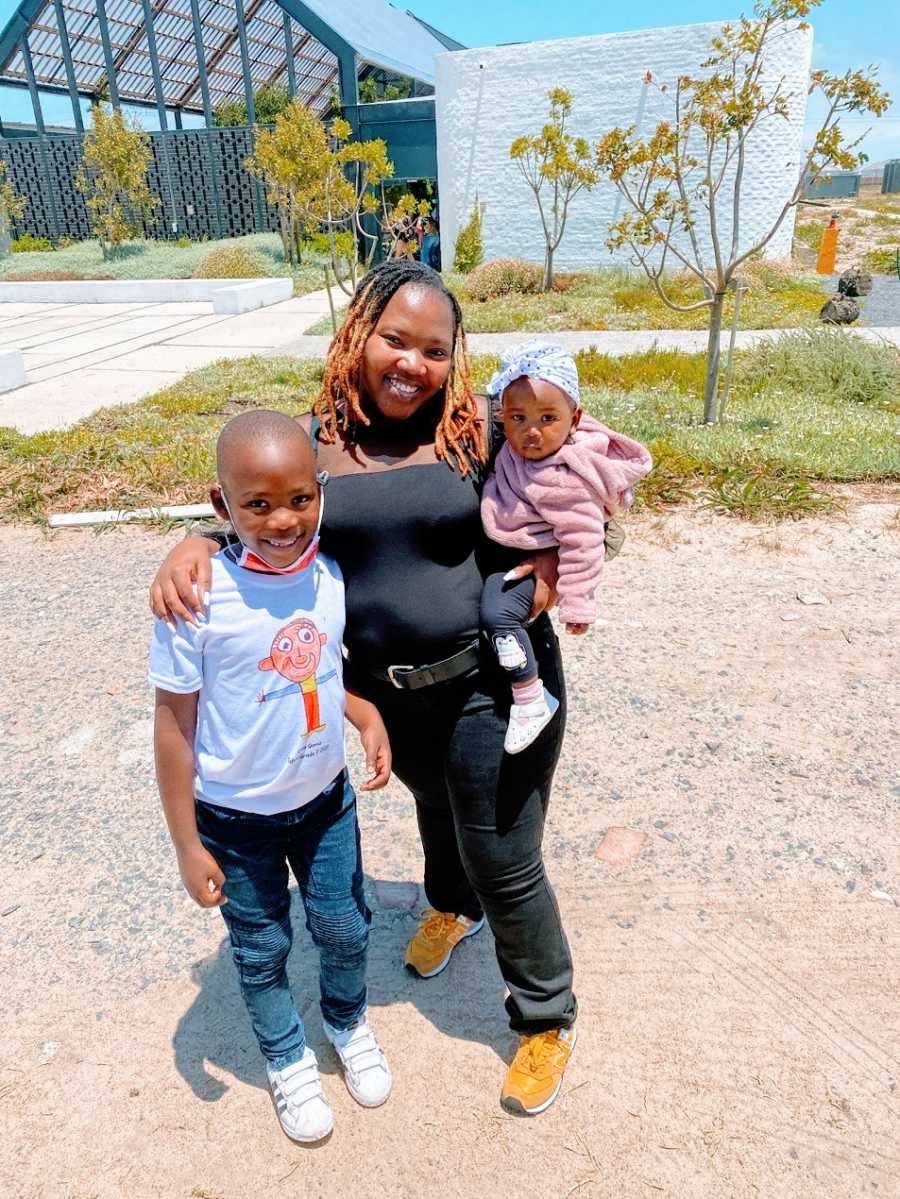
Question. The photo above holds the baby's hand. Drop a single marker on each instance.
(577, 629)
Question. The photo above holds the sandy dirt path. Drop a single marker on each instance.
(738, 979)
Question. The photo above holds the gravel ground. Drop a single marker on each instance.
(739, 1030)
(881, 308)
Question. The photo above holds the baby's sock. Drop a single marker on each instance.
(528, 693)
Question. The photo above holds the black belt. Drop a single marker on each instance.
(411, 678)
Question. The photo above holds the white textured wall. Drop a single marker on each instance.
(485, 98)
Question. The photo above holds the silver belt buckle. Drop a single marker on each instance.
(390, 674)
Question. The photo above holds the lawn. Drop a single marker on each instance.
(813, 409)
(779, 297)
(160, 260)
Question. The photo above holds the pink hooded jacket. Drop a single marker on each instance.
(565, 500)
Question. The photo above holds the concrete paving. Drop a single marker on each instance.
(81, 357)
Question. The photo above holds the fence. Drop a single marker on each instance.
(198, 175)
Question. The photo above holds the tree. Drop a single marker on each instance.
(12, 205)
(469, 249)
(269, 102)
(294, 160)
(682, 184)
(352, 184)
(113, 178)
(556, 166)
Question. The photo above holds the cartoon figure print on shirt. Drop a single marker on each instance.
(295, 654)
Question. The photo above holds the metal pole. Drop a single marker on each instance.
(42, 133)
(111, 80)
(207, 112)
(251, 107)
(69, 65)
(289, 55)
(160, 107)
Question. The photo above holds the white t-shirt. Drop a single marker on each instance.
(267, 664)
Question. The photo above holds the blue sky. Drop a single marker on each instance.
(847, 33)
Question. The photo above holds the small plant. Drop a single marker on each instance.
(65, 243)
(762, 494)
(27, 244)
(809, 233)
(12, 205)
(231, 262)
(113, 178)
(503, 277)
(184, 243)
(558, 164)
(469, 251)
(884, 262)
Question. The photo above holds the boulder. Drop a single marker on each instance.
(840, 310)
(855, 282)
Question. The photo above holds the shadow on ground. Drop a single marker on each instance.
(464, 1003)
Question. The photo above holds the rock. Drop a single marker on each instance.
(790, 616)
(839, 310)
(620, 845)
(855, 282)
(397, 896)
(811, 597)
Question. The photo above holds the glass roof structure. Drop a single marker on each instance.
(169, 52)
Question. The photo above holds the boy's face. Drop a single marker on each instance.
(273, 499)
(537, 417)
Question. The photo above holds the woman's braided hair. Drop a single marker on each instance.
(339, 406)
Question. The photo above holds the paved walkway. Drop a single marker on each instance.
(81, 357)
(605, 341)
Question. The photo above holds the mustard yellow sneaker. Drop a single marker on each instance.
(535, 1076)
(438, 935)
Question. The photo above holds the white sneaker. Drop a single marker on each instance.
(366, 1072)
(300, 1101)
(526, 721)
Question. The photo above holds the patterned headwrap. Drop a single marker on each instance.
(538, 360)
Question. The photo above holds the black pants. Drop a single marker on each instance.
(505, 607)
(481, 819)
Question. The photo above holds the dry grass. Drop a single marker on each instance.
(776, 297)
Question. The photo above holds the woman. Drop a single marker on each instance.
(406, 446)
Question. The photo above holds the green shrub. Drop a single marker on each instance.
(469, 251)
(231, 262)
(503, 277)
(881, 262)
(184, 243)
(63, 243)
(828, 364)
(26, 244)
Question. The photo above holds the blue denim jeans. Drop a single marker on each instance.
(320, 842)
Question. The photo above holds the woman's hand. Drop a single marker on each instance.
(181, 586)
(544, 565)
(577, 629)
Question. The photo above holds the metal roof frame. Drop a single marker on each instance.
(146, 52)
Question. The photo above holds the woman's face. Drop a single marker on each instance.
(407, 357)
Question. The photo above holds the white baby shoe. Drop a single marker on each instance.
(527, 721)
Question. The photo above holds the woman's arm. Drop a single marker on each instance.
(544, 565)
(181, 586)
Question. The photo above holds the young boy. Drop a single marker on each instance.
(249, 738)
